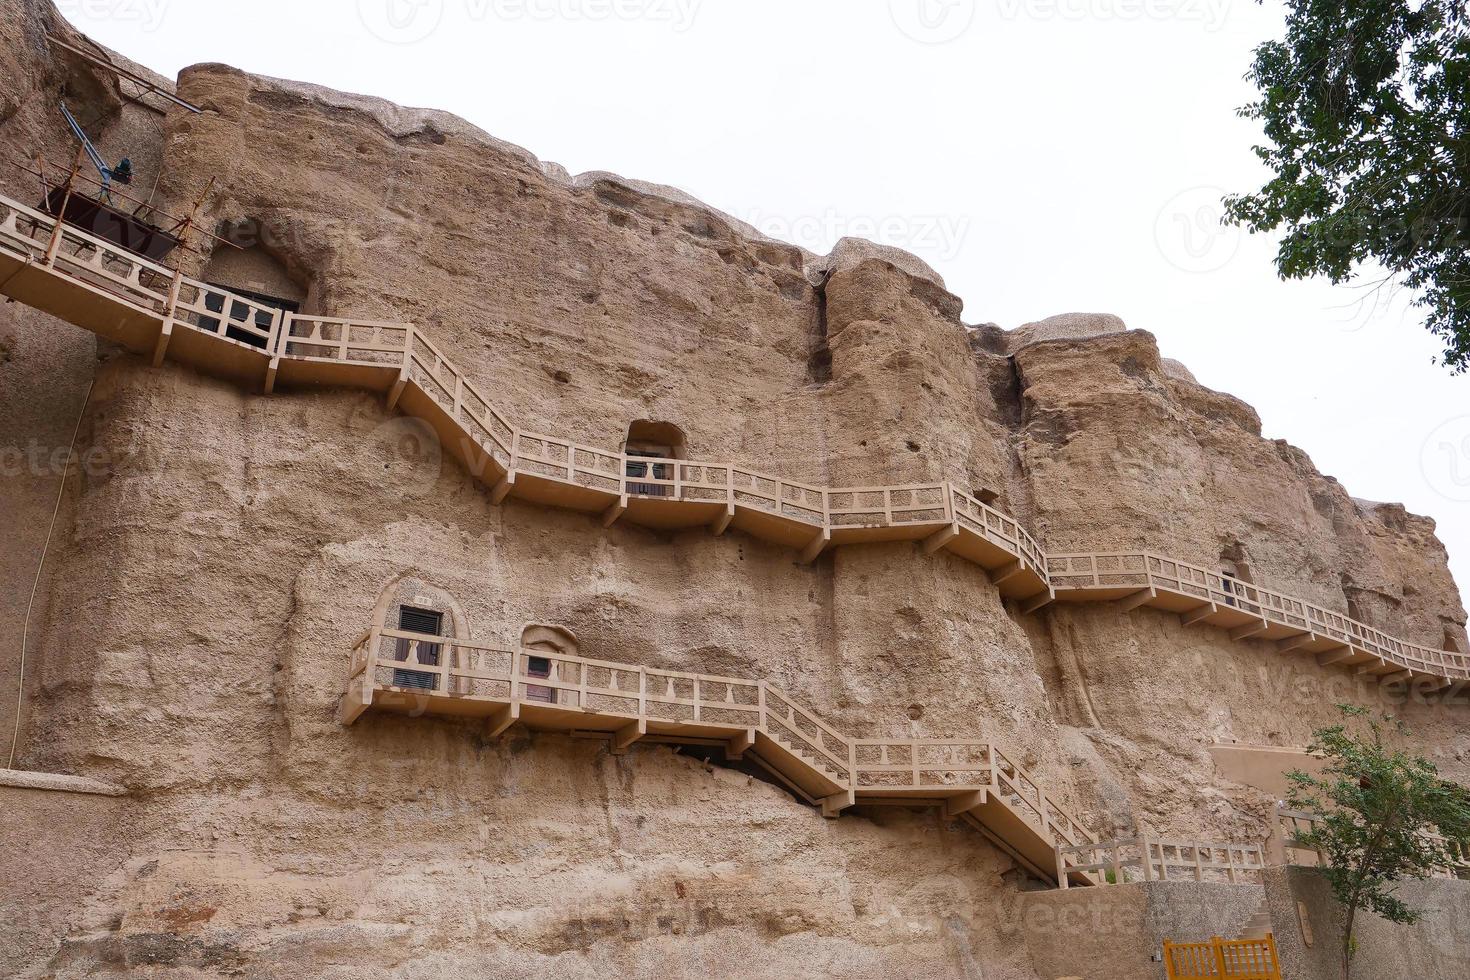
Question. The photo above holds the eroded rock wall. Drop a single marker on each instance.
(206, 585)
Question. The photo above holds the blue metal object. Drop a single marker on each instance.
(124, 170)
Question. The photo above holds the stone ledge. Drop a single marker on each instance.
(56, 783)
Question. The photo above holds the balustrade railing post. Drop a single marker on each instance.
(280, 330)
(405, 370)
(515, 687)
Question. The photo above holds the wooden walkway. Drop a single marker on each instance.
(158, 312)
(974, 781)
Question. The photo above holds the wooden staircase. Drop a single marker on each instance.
(974, 781)
(159, 312)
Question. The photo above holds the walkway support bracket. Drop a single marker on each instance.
(816, 547)
(722, 523)
(1198, 614)
(496, 724)
(940, 539)
(502, 489)
(624, 737)
(1293, 643)
(1249, 630)
(1336, 657)
(736, 748)
(1038, 601)
(1140, 598)
(954, 806)
(1005, 573)
(832, 806)
(617, 509)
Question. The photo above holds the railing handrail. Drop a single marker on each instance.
(444, 668)
(1385, 647)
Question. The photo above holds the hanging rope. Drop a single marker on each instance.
(20, 688)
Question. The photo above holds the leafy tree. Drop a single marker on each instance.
(1386, 816)
(1366, 110)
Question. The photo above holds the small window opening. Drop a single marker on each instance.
(652, 441)
(429, 622)
(985, 496)
(1235, 573)
(542, 645)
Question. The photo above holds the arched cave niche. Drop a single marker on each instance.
(1235, 570)
(244, 265)
(1451, 641)
(652, 440)
(542, 644)
(410, 604)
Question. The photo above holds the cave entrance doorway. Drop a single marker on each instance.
(647, 441)
(252, 274)
(429, 622)
(542, 646)
(1235, 574)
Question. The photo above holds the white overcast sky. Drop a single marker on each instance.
(1044, 156)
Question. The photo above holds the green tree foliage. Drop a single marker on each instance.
(1387, 815)
(1366, 111)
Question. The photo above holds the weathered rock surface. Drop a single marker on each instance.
(208, 578)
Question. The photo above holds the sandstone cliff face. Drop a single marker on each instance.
(205, 585)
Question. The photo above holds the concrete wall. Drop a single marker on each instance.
(1263, 767)
(1437, 948)
(1114, 933)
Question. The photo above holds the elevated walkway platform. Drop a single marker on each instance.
(411, 673)
(158, 312)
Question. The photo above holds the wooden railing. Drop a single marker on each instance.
(1139, 859)
(1223, 959)
(92, 263)
(436, 667)
(1144, 570)
(1292, 824)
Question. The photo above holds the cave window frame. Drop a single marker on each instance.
(429, 654)
(649, 440)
